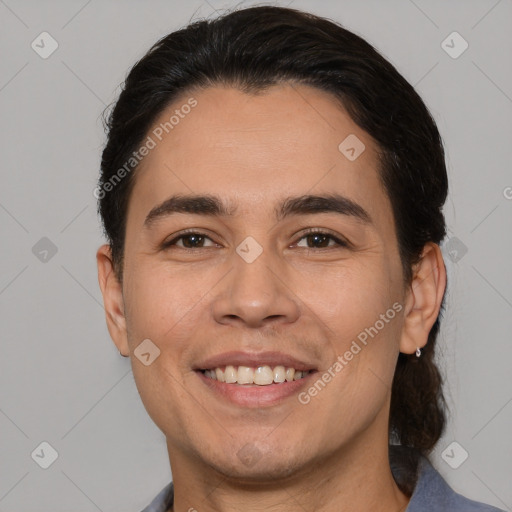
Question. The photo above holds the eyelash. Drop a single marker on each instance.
(312, 231)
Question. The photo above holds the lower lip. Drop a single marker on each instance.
(254, 395)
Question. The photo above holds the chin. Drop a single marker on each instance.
(251, 465)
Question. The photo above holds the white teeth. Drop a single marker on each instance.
(279, 374)
(245, 375)
(261, 375)
(231, 374)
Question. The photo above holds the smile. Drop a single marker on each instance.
(258, 375)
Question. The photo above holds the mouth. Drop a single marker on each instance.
(259, 376)
(254, 380)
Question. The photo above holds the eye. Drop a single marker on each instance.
(189, 240)
(321, 240)
(314, 239)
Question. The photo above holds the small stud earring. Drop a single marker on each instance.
(418, 352)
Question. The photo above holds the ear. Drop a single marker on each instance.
(423, 299)
(113, 301)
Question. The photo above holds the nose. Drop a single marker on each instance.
(256, 294)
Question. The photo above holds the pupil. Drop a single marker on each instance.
(188, 238)
(316, 237)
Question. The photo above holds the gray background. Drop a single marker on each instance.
(61, 378)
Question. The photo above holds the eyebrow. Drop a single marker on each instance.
(210, 205)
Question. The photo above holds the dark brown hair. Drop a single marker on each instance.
(252, 49)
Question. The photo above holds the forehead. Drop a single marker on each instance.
(253, 149)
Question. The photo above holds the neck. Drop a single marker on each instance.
(354, 477)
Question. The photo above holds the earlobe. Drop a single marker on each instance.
(113, 300)
(424, 299)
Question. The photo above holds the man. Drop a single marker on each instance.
(272, 195)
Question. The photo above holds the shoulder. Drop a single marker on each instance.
(432, 493)
(162, 501)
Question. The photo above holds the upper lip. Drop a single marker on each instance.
(254, 359)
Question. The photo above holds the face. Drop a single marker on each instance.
(257, 278)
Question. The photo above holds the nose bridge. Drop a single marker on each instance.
(254, 291)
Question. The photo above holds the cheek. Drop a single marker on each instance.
(362, 308)
(163, 394)
(353, 298)
(165, 308)
(161, 303)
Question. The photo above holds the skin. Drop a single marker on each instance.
(253, 151)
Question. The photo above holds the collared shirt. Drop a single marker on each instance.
(414, 475)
